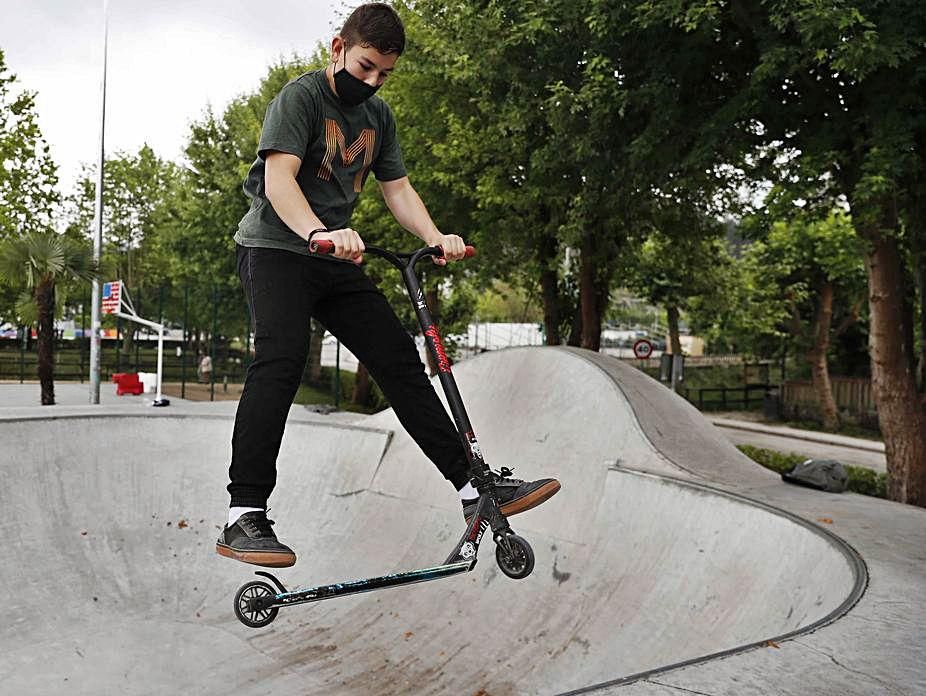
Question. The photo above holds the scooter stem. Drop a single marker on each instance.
(406, 262)
(478, 468)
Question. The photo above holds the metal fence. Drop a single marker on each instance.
(181, 364)
(230, 355)
(853, 396)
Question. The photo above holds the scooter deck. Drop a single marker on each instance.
(341, 589)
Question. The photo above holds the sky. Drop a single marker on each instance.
(167, 60)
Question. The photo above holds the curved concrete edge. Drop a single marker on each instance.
(854, 560)
(208, 411)
(873, 643)
(676, 429)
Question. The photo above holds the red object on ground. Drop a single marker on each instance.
(128, 383)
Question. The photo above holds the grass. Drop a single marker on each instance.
(308, 394)
(324, 393)
(861, 480)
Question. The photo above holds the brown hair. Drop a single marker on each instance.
(375, 24)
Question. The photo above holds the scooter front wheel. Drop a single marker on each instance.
(254, 618)
(514, 556)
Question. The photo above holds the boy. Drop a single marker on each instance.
(322, 135)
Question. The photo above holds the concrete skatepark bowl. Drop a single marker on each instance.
(648, 558)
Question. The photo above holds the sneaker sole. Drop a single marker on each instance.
(531, 500)
(268, 559)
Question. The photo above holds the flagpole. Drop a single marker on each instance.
(95, 324)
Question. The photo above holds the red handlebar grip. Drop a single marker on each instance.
(321, 246)
(469, 253)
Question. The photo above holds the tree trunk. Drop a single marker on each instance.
(919, 271)
(361, 395)
(45, 299)
(908, 304)
(432, 297)
(575, 329)
(900, 413)
(819, 369)
(591, 289)
(315, 352)
(549, 285)
(128, 338)
(916, 229)
(675, 343)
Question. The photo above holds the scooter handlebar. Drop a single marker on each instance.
(326, 246)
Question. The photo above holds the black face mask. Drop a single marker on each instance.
(351, 90)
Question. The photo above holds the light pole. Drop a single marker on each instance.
(95, 325)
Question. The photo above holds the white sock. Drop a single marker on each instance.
(468, 492)
(236, 512)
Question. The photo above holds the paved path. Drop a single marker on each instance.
(665, 565)
(848, 450)
(15, 395)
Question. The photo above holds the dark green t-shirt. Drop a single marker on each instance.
(339, 145)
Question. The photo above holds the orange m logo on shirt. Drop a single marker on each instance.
(334, 140)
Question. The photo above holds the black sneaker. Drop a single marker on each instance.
(251, 540)
(515, 495)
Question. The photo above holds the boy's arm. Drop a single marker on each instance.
(409, 210)
(284, 194)
(288, 201)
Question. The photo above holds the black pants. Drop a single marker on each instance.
(283, 291)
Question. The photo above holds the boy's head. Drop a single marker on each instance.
(366, 50)
(375, 25)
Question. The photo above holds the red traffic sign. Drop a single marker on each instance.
(643, 349)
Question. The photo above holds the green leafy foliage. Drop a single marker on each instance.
(28, 174)
(779, 280)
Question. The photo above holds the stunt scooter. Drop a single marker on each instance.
(257, 603)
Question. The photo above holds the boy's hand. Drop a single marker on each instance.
(453, 246)
(347, 244)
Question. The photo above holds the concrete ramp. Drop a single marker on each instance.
(110, 521)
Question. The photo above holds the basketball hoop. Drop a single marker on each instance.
(115, 299)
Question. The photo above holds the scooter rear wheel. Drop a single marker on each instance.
(251, 617)
(519, 562)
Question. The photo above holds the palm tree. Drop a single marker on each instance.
(34, 263)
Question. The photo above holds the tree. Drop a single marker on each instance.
(646, 127)
(674, 271)
(861, 64)
(567, 127)
(135, 190)
(479, 99)
(28, 174)
(818, 269)
(35, 263)
(836, 102)
(208, 202)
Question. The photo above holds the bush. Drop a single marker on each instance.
(770, 459)
(867, 482)
(861, 480)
